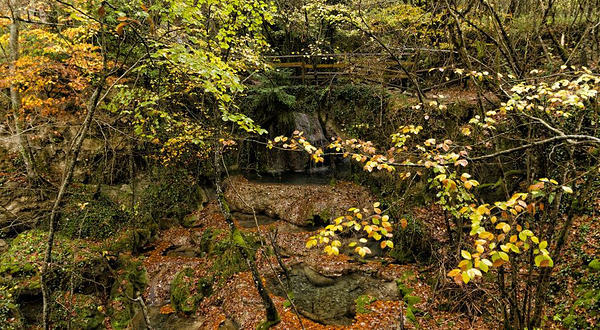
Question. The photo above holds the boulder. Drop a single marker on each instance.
(301, 205)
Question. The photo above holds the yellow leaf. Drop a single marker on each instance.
(465, 277)
(473, 272)
(454, 272)
(465, 254)
(479, 248)
(513, 238)
(403, 223)
(311, 243)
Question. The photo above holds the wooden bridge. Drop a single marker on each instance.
(372, 67)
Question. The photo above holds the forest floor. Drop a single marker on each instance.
(441, 304)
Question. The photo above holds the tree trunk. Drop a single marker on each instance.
(272, 316)
(15, 96)
(66, 180)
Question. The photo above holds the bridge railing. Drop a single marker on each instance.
(373, 67)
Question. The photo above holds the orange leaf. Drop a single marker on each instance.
(167, 309)
(120, 27)
(403, 223)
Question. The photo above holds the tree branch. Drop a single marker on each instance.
(585, 138)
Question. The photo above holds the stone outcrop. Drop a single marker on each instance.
(301, 205)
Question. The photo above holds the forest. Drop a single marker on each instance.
(299, 164)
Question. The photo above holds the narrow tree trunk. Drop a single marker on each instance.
(15, 96)
(272, 316)
(66, 180)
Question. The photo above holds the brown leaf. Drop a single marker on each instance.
(120, 27)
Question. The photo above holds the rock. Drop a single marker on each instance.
(229, 324)
(3, 246)
(317, 279)
(301, 205)
(280, 161)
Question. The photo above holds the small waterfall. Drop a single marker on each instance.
(310, 125)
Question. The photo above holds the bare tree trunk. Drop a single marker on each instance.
(66, 180)
(15, 95)
(272, 316)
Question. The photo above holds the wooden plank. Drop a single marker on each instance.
(332, 65)
(288, 65)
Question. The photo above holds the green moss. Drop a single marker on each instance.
(131, 240)
(187, 291)
(229, 260)
(97, 218)
(77, 312)
(129, 284)
(172, 194)
(27, 250)
(237, 239)
(209, 240)
(405, 293)
(412, 243)
(10, 315)
(266, 324)
(361, 303)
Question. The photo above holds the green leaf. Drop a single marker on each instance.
(484, 267)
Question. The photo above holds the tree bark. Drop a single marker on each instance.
(272, 316)
(15, 96)
(66, 180)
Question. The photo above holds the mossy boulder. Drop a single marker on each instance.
(10, 315)
(171, 195)
(229, 259)
(21, 262)
(93, 217)
(411, 243)
(77, 311)
(188, 290)
(132, 240)
(130, 282)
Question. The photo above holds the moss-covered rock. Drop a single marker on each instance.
(93, 217)
(70, 256)
(10, 315)
(412, 243)
(131, 240)
(229, 259)
(78, 311)
(130, 282)
(188, 290)
(171, 195)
